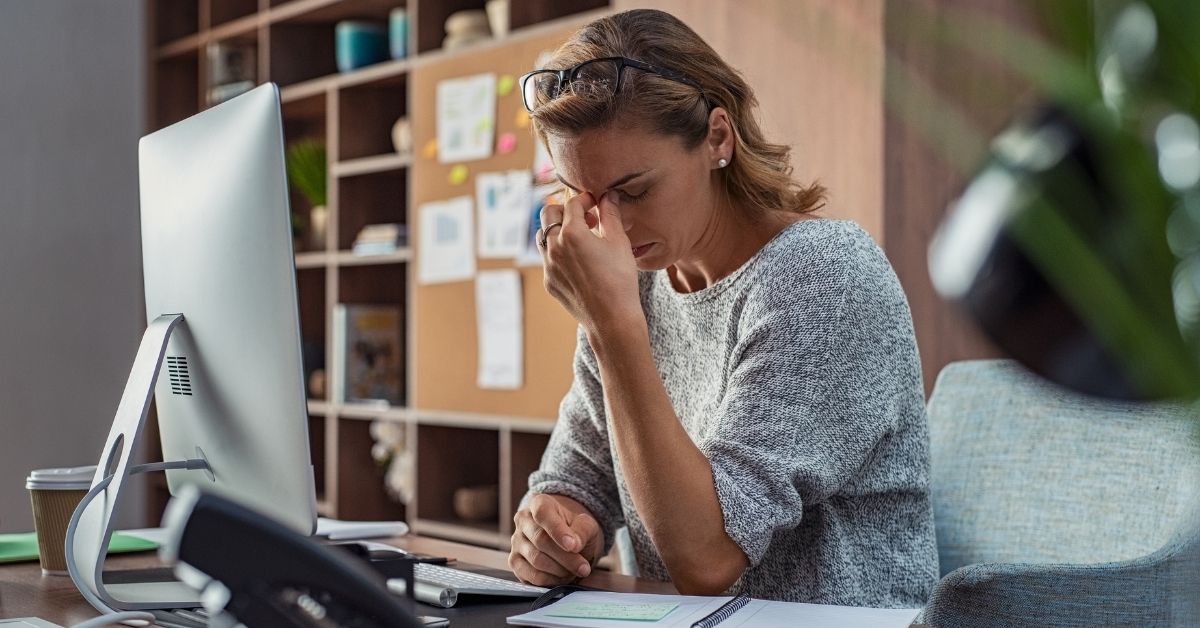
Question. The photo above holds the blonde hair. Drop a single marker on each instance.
(759, 174)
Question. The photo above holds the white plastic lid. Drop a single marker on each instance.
(64, 479)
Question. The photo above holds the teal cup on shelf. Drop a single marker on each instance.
(398, 32)
(359, 44)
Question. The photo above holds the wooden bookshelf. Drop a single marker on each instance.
(368, 183)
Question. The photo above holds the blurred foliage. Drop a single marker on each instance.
(1109, 203)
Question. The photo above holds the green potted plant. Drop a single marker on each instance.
(306, 170)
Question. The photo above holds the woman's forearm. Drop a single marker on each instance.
(669, 478)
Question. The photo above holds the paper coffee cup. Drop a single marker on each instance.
(55, 493)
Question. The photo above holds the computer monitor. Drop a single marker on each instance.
(223, 337)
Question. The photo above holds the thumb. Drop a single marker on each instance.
(585, 526)
(611, 225)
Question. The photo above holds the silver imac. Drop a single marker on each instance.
(222, 350)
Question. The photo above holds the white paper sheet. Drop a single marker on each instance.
(446, 250)
(498, 311)
(758, 613)
(466, 118)
(503, 199)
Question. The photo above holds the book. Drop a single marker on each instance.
(368, 351)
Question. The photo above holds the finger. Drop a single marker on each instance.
(528, 574)
(572, 562)
(575, 207)
(539, 559)
(547, 514)
(610, 217)
(550, 215)
(593, 218)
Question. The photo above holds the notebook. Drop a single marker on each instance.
(600, 609)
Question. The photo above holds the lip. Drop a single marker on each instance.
(641, 249)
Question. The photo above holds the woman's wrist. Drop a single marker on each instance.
(618, 334)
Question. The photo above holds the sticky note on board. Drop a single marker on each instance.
(606, 610)
(522, 119)
(506, 144)
(458, 174)
(430, 149)
(505, 85)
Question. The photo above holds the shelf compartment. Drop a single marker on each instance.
(224, 11)
(371, 165)
(380, 285)
(431, 21)
(300, 52)
(361, 495)
(177, 95)
(370, 199)
(310, 289)
(366, 115)
(525, 455)
(316, 448)
(346, 258)
(450, 458)
(175, 19)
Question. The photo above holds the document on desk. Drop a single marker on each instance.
(689, 609)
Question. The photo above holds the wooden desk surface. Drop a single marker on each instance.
(25, 592)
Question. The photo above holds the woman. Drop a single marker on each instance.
(747, 395)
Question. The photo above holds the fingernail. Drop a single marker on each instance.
(584, 570)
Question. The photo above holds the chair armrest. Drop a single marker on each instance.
(1136, 592)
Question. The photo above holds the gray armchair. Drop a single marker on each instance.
(1055, 509)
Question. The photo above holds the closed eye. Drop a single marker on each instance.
(626, 197)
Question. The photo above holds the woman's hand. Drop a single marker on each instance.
(556, 541)
(590, 267)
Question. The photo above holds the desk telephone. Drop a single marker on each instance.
(254, 571)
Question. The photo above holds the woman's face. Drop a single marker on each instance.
(665, 192)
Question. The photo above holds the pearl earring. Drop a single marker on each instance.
(722, 162)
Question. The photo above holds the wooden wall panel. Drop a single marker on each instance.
(922, 175)
(816, 67)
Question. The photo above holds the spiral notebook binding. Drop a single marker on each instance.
(724, 612)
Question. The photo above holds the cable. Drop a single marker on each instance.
(109, 614)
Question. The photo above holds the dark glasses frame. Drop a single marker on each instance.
(569, 75)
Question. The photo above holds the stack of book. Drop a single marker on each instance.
(380, 239)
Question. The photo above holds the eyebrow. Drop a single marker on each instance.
(622, 180)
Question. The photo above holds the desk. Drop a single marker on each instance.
(24, 592)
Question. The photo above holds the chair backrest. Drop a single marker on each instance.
(1026, 472)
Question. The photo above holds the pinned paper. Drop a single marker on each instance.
(458, 175)
(507, 143)
(541, 195)
(430, 149)
(522, 119)
(505, 85)
(498, 313)
(466, 118)
(446, 250)
(504, 200)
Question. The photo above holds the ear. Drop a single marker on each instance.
(719, 143)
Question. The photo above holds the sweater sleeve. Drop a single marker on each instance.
(810, 398)
(578, 460)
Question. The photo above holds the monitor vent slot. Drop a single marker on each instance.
(181, 379)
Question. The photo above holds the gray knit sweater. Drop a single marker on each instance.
(798, 377)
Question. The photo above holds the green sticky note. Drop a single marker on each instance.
(23, 547)
(505, 85)
(607, 610)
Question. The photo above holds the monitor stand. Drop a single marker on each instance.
(93, 521)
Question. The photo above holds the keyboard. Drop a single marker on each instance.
(441, 586)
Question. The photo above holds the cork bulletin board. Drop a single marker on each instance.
(445, 336)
